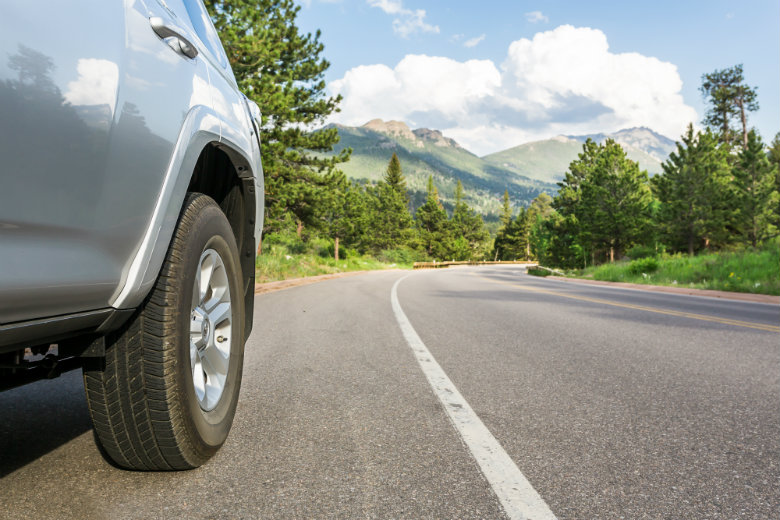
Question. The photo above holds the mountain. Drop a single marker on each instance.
(652, 143)
(425, 152)
(549, 159)
(524, 170)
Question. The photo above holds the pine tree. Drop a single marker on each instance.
(506, 210)
(394, 177)
(696, 200)
(468, 229)
(353, 222)
(616, 199)
(574, 222)
(512, 240)
(774, 150)
(560, 244)
(729, 97)
(541, 207)
(282, 70)
(539, 212)
(774, 158)
(432, 226)
(391, 222)
(754, 178)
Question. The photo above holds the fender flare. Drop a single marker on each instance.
(202, 127)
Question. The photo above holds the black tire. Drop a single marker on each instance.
(142, 399)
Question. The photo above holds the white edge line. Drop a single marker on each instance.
(518, 498)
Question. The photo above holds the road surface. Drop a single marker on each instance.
(607, 403)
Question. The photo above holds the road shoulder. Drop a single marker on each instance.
(267, 287)
(745, 297)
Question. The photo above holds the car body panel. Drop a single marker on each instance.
(98, 148)
(55, 128)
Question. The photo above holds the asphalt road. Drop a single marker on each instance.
(612, 403)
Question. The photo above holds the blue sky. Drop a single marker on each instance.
(495, 74)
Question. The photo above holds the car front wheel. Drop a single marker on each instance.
(165, 397)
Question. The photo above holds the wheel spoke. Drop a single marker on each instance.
(193, 355)
(206, 271)
(216, 360)
(199, 380)
(220, 313)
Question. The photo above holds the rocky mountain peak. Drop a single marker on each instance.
(435, 136)
(395, 128)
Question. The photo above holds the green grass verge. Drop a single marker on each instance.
(285, 256)
(745, 271)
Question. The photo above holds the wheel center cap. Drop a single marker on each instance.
(205, 329)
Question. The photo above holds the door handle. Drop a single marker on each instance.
(167, 30)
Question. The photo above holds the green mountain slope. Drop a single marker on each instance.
(424, 152)
(548, 160)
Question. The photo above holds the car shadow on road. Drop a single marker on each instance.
(40, 417)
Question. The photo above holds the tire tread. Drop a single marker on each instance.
(133, 399)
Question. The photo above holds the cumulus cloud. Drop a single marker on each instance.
(406, 21)
(473, 42)
(536, 17)
(563, 81)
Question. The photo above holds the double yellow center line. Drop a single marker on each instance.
(669, 312)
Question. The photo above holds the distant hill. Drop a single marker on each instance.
(524, 170)
(652, 143)
(425, 152)
(548, 160)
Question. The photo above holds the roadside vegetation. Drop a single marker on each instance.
(750, 271)
(714, 212)
(287, 256)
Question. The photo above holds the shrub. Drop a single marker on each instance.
(401, 255)
(329, 251)
(643, 265)
(289, 241)
(637, 252)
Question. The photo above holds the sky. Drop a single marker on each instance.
(496, 74)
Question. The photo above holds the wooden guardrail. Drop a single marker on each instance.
(439, 265)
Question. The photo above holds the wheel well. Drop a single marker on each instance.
(217, 176)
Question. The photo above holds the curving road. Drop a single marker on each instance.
(557, 399)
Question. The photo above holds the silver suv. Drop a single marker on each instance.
(131, 200)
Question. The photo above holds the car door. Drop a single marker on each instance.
(226, 100)
(92, 101)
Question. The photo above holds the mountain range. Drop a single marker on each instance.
(525, 171)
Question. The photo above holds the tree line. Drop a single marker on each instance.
(377, 218)
(719, 189)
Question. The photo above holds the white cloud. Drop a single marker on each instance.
(473, 42)
(536, 17)
(388, 6)
(563, 81)
(406, 21)
(96, 84)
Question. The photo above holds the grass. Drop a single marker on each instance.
(286, 256)
(538, 271)
(750, 271)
